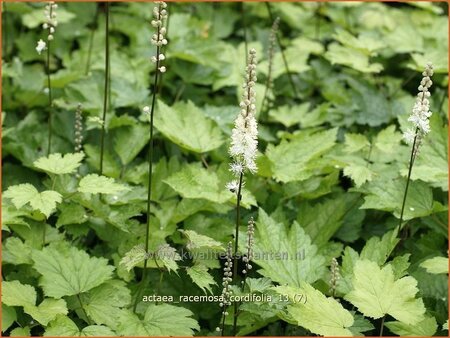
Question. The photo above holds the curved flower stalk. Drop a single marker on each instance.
(50, 24)
(159, 21)
(420, 125)
(244, 144)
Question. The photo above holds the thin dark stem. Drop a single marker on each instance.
(224, 309)
(50, 100)
(411, 162)
(244, 27)
(91, 40)
(286, 66)
(382, 326)
(105, 89)
(236, 246)
(83, 309)
(150, 165)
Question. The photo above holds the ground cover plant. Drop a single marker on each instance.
(218, 169)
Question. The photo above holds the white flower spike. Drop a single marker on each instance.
(158, 39)
(421, 111)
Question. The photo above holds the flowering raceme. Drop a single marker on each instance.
(244, 137)
(421, 111)
(50, 24)
(158, 39)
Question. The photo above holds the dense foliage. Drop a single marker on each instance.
(328, 257)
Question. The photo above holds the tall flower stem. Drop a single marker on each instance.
(105, 89)
(50, 100)
(283, 56)
(158, 39)
(411, 163)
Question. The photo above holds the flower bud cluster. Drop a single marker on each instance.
(78, 129)
(50, 19)
(334, 271)
(244, 137)
(250, 241)
(421, 111)
(227, 278)
(158, 39)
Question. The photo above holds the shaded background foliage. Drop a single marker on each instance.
(332, 166)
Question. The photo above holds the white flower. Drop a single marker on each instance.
(162, 69)
(146, 110)
(236, 168)
(244, 136)
(233, 186)
(41, 45)
(421, 111)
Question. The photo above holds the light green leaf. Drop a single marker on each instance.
(25, 193)
(436, 265)
(21, 332)
(187, 126)
(15, 293)
(285, 255)
(9, 316)
(16, 252)
(375, 293)
(358, 173)
(135, 256)
(102, 304)
(351, 57)
(289, 115)
(200, 276)
(58, 164)
(65, 327)
(293, 161)
(36, 17)
(71, 272)
(159, 320)
(320, 314)
(47, 310)
(197, 241)
(425, 328)
(193, 181)
(378, 250)
(167, 256)
(355, 142)
(388, 196)
(95, 184)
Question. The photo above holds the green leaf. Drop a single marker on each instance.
(16, 252)
(95, 184)
(378, 250)
(285, 255)
(197, 241)
(321, 220)
(351, 57)
(58, 164)
(200, 276)
(436, 265)
(355, 142)
(320, 314)
(388, 196)
(71, 272)
(9, 316)
(71, 214)
(103, 303)
(20, 332)
(294, 161)
(15, 293)
(135, 256)
(425, 328)
(129, 141)
(167, 256)
(36, 17)
(47, 310)
(23, 194)
(193, 181)
(159, 320)
(289, 115)
(187, 126)
(65, 327)
(360, 174)
(375, 293)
